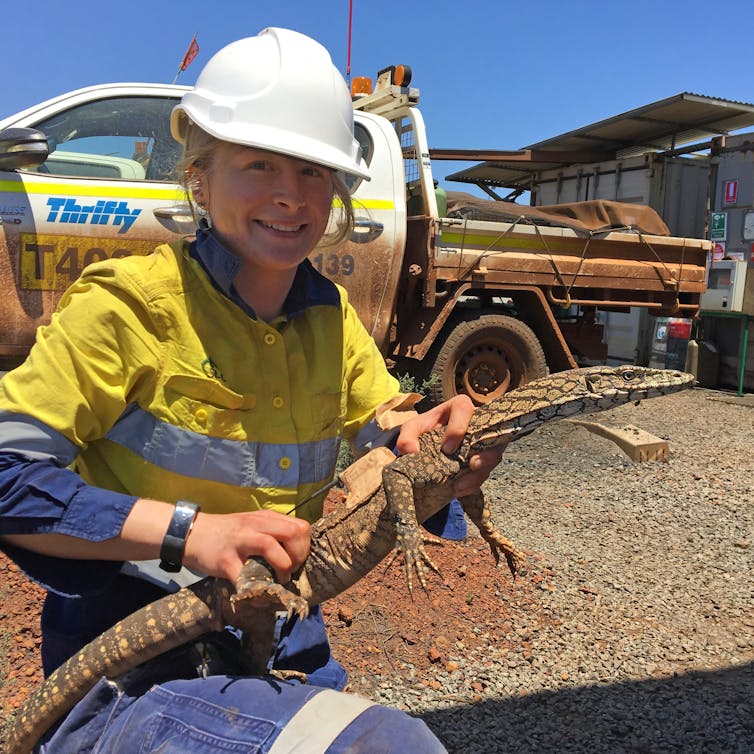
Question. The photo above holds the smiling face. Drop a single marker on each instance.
(270, 210)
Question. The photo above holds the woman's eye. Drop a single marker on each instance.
(312, 170)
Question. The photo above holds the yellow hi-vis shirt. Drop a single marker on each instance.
(158, 385)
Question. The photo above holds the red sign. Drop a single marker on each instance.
(730, 192)
(679, 328)
(718, 251)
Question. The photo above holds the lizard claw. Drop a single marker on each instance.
(476, 509)
(256, 587)
(418, 560)
(516, 560)
(270, 595)
(431, 539)
(415, 557)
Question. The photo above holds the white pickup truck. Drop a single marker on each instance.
(484, 301)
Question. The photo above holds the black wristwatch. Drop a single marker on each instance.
(174, 544)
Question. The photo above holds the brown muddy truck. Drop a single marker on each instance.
(483, 295)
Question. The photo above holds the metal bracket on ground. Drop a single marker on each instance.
(637, 444)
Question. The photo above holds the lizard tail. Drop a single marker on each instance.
(159, 627)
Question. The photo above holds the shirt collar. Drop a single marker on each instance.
(219, 263)
(310, 288)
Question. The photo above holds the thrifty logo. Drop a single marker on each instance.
(66, 210)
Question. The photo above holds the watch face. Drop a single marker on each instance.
(174, 544)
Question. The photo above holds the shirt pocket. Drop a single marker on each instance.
(208, 407)
(328, 414)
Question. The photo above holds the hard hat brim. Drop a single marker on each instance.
(290, 144)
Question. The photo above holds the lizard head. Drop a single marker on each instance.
(564, 394)
(625, 384)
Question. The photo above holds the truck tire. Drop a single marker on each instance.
(484, 356)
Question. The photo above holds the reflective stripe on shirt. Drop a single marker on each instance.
(243, 464)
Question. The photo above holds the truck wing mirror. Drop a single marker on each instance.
(22, 148)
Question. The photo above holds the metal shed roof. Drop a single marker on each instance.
(667, 124)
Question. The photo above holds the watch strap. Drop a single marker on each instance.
(174, 544)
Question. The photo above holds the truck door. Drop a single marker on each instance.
(369, 265)
(107, 189)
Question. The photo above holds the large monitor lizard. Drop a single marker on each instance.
(345, 544)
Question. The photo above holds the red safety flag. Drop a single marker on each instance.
(191, 53)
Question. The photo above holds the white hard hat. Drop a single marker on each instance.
(278, 91)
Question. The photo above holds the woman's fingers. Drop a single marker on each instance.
(220, 543)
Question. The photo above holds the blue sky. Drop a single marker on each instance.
(493, 74)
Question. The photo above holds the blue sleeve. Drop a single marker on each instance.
(40, 497)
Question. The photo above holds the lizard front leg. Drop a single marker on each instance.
(476, 509)
(399, 481)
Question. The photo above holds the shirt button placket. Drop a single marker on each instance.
(274, 342)
(270, 339)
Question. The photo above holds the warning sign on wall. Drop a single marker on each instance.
(730, 192)
(718, 251)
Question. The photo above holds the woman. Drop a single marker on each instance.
(223, 372)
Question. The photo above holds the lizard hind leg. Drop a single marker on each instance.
(476, 509)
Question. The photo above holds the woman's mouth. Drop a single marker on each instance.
(281, 227)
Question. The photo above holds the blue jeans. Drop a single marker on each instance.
(69, 624)
(449, 522)
(230, 714)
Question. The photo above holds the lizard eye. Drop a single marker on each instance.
(628, 375)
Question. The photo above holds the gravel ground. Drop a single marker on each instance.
(642, 638)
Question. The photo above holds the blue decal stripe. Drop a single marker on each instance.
(243, 464)
(32, 438)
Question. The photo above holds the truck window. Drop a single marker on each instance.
(414, 198)
(120, 138)
(367, 150)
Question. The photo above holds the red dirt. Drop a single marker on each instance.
(376, 630)
(20, 637)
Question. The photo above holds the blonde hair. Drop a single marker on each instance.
(198, 152)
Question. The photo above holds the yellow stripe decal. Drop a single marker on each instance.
(459, 242)
(387, 204)
(139, 192)
(77, 189)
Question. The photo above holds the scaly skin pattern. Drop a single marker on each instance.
(347, 543)
(351, 541)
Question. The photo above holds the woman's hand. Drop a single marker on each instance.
(454, 415)
(219, 544)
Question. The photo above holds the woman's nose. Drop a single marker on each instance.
(288, 189)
